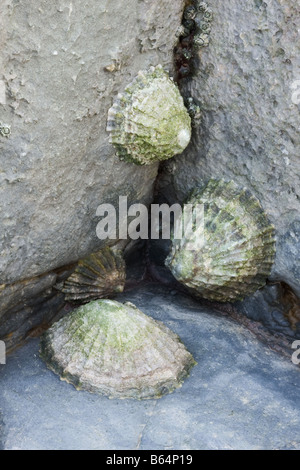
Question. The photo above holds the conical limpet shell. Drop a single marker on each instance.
(99, 275)
(149, 122)
(238, 245)
(116, 350)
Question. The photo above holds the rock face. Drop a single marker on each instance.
(28, 307)
(62, 64)
(247, 85)
(241, 395)
(276, 308)
(236, 254)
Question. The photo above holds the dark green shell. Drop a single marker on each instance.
(238, 245)
(115, 349)
(99, 275)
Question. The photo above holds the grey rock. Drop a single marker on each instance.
(1, 433)
(31, 319)
(246, 84)
(289, 248)
(62, 63)
(21, 292)
(29, 307)
(241, 395)
(266, 307)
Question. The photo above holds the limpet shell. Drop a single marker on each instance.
(237, 250)
(149, 122)
(116, 350)
(99, 275)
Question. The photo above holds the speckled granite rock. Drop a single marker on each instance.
(246, 85)
(61, 65)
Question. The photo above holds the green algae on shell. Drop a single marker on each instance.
(238, 245)
(99, 275)
(149, 122)
(116, 350)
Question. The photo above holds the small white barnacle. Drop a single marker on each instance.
(181, 31)
(203, 26)
(5, 130)
(201, 40)
(110, 68)
(189, 12)
(201, 6)
(208, 14)
(149, 122)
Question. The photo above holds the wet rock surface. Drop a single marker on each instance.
(241, 395)
(267, 306)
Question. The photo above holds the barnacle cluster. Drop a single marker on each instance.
(203, 25)
(5, 130)
(193, 34)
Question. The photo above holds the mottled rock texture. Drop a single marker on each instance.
(246, 84)
(30, 306)
(61, 64)
(276, 308)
